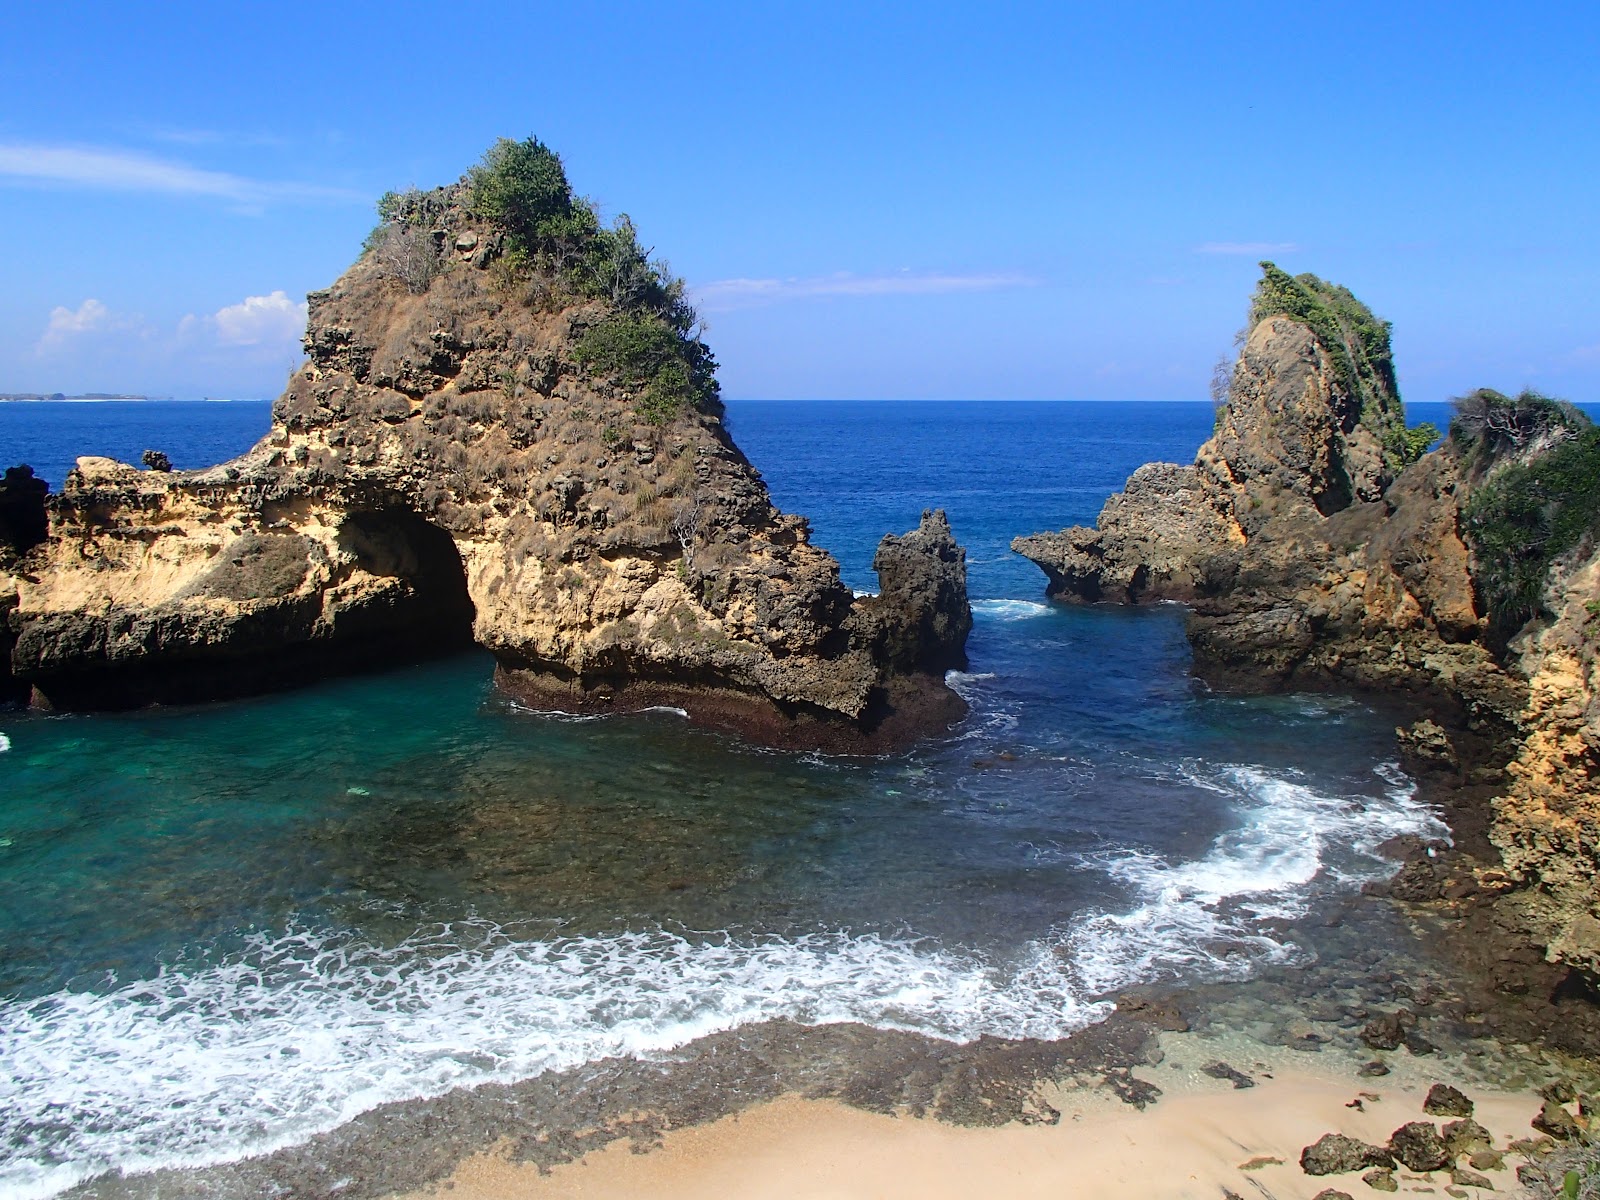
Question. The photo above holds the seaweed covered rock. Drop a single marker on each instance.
(507, 431)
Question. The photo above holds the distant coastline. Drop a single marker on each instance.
(104, 397)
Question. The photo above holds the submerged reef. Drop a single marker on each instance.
(507, 432)
(1318, 546)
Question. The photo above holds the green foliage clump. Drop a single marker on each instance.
(1489, 426)
(1417, 441)
(645, 354)
(650, 345)
(1356, 341)
(1528, 514)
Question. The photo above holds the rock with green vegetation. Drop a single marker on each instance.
(507, 431)
(1311, 423)
(1535, 463)
(1316, 549)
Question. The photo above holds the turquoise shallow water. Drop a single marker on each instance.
(229, 927)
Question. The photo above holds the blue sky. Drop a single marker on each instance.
(986, 202)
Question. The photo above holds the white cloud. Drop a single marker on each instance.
(70, 326)
(725, 294)
(130, 171)
(67, 323)
(273, 319)
(258, 332)
(1251, 248)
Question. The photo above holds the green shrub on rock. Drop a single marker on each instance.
(1357, 342)
(642, 353)
(649, 345)
(1539, 460)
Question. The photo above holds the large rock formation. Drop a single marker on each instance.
(486, 444)
(1312, 554)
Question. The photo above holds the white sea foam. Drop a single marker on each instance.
(1010, 610)
(303, 1032)
(5, 743)
(1212, 914)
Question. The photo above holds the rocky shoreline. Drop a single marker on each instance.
(1319, 547)
(1371, 1009)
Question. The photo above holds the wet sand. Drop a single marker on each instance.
(1203, 1138)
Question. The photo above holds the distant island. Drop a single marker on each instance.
(60, 396)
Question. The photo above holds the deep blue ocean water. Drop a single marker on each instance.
(226, 928)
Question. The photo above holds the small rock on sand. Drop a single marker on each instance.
(1445, 1101)
(1557, 1122)
(1462, 1177)
(1418, 1145)
(1334, 1154)
(1221, 1070)
(1380, 1179)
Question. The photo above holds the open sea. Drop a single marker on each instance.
(225, 929)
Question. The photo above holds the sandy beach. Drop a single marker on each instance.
(1202, 1138)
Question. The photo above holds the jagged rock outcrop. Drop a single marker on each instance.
(1311, 425)
(477, 450)
(1312, 555)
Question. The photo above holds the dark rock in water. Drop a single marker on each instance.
(921, 607)
(1221, 1070)
(1418, 1145)
(156, 460)
(1425, 745)
(1387, 1030)
(1335, 1154)
(1556, 1121)
(1445, 1101)
(1380, 1179)
(1372, 1070)
(1463, 1137)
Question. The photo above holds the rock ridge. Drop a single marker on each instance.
(478, 449)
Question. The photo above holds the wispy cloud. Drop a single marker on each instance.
(1250, 248)
(130, 171)
(67, 326)
(179, 136)
(724, 294)
(258, 327)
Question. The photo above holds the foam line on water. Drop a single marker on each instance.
(1010, 610)
(5, 743)
(1218, 915)
(302, 1032)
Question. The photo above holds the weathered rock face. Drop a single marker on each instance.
(1308, 429)
(1308, 560)
(446, 469)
